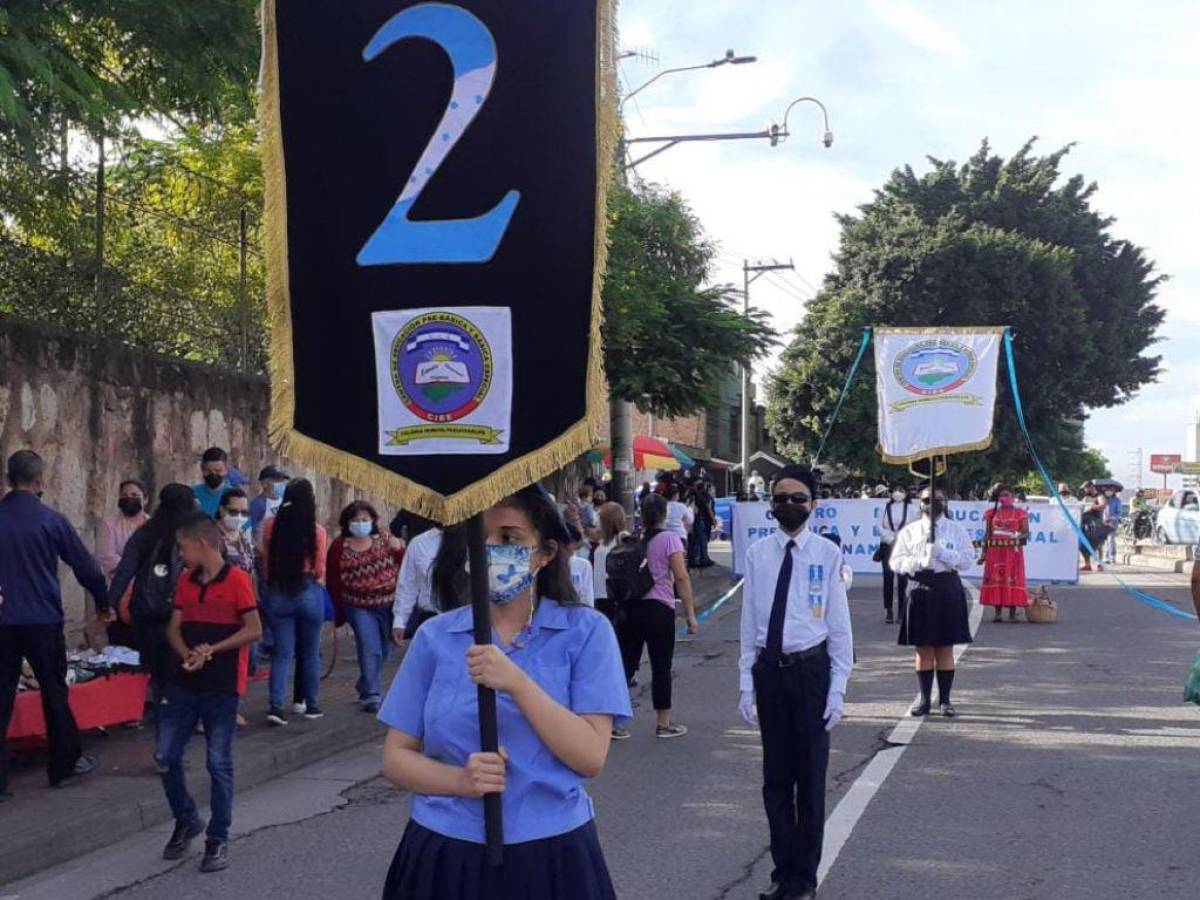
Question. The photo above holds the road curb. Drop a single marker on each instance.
(276, 755)
(30, 852)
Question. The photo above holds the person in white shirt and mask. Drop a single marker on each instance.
(797, 652)
(937, 607)
(895, 515)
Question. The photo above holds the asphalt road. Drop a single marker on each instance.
(1072, 772)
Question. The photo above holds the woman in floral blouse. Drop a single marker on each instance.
(362, 568)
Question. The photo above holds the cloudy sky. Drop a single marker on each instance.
(903, 80)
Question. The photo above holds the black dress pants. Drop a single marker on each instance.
(46, 650)
(791, 707)
(892, 581)
(650, 624)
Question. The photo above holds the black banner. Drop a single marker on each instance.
(435, 183)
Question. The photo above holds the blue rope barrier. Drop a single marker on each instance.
(708, 613)
(862, 351)
(1148, 599)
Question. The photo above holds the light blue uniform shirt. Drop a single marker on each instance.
(571, 652)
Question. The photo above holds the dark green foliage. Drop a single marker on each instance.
(991, 242)
(669, 339)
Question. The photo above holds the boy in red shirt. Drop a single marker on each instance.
(214, 621)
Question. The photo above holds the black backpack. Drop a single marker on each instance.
(154, 587)
(627, 571)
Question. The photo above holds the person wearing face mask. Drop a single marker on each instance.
(1005, 535)
(1092, 523)
(114, 532)
(362, 568)
(649, 621)
(797, 653)
(271, 480)
(237, 544)
(214, 472)
(560, 688)
(932, 551)
(1111, 519)
(111, 537)
(893, 517)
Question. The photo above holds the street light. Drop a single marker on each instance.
(776, 135)
(621, 426)
(781, 134)
(729, 59)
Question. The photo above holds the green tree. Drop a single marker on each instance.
(668, 338)
(990, 242)
(97, 63)
(1088, 465)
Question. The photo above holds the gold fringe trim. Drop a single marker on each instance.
(369, 476)
(936, 451)
(984, 329)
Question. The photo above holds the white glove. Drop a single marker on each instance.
(945, 555)
(835, 707)
(746, 708)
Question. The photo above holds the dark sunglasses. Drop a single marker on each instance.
(796, 498)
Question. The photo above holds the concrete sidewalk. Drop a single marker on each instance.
(41, 827)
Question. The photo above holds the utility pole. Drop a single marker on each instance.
(1137, 459)
(750, 274)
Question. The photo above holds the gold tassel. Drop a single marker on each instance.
(447, 509)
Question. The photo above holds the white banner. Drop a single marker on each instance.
(936, 390)
(1051, 555)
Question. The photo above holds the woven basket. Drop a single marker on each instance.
(1042, 610)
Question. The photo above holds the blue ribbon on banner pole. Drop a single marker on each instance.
(1148, 599)
(708, 613)
(862, 351)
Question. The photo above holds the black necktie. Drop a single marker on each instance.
(774, 647)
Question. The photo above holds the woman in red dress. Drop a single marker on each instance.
(1004, 555)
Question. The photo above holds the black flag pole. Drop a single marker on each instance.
(932, 499)
(489, 732)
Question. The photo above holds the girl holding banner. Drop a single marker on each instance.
(1004, 543)
(557, 672)
(937, 607)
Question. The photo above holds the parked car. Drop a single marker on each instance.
(1179, 521)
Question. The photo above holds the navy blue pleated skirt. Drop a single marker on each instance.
(430, 866)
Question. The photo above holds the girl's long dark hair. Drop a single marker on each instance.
(654, 513)
(293, 538)
(175, 503)
(451, 583)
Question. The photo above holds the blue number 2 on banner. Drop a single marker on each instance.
(472, 51)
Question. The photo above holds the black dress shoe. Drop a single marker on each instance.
(774, 892)
(889, 619)
(920, 708)
(949, 711)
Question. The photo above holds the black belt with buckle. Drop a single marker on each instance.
(787, 660)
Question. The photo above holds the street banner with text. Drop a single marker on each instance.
(1051, 555)
(936, 389)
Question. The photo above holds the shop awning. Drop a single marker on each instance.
(648, 453)
(683, 459)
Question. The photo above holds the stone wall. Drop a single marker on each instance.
(99, 412)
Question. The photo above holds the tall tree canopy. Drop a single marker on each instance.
(989, 242)
(96, 63)
(668, 338)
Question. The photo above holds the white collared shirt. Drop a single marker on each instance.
(902, 514)
(913, 552)
(414, 586)
(581, 580)
(802, 630)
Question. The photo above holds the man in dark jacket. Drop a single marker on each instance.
(33, 538)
